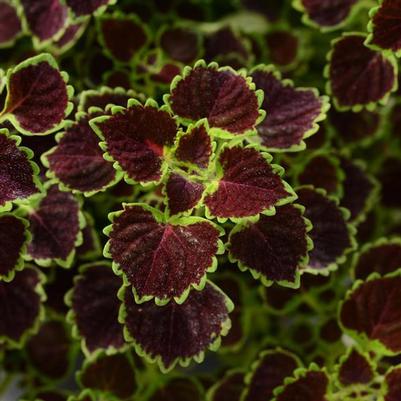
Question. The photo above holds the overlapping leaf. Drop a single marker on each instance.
(10, 24)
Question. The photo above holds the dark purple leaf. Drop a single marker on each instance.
(90, 247)
(389, 175)
(330, 234)
(393, 385)
(282, 47)
(103, 97)
(95, 307)
(250, 185)
(292, 113)
(21, 300)
(45, 18)
(86, 7)
(55, 228)
(178, 389)
(113, 28)
(226, 99)
(135, 138)
(160, 259)
(17, 172)
(37, 96)
(229, 388)
(70, 36)
(118, 78)
(181, 43)
(355, 368)
(182, 193)
(178, 332)
(77, 160)
(358, 76)
(272, 368)
(274, 248)
(10, 24)
(373, 310)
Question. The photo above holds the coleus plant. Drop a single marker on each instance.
(179, 177)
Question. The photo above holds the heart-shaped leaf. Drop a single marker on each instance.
(355, 368)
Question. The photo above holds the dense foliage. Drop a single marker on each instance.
(186, 176)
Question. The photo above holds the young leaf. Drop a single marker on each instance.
(275, 248)
(392, 384)
(37, 96)
(21, 307)
(177, 333)
(292, 113)
(135, 137)
(10, 24)
(247, 184)
(372, 312)
(162, 259)
(228, 100)
(88, 7)
(359, 77)
(18, 173)
(94, 308)
(55, 225)
(355, 368)
(268, 373)
(229, 388)
(14, 236)
(77, 160)
(332, 236)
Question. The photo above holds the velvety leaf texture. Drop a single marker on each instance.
(13, 236)
(291, 113)
(114, 28)
(135, 139)
(195, 147)
(16, 172)
(110, 374)
(180, 255)
(374, 309)
(328, 13)
(54, 226)
(329, 234)
(357, 74)
(355, 369)
(274, 246)
(20, 304)
(381, 258)
(249, 185)
(312, 386)
(45, 18)
(385, 26)
(95, 305)
(181, 44)
(37, 96)
(77, 161)
(393, 383)
(221, 96)
(86, 7)
(178, 389)
(183, 194)
(10, 25)
(229, 388)
(271, 370)
(176, 331)
(104, 97)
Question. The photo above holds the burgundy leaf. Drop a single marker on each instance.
(109, 374)
(103, 97)
(182, 194)
(86, 7)
(72, 33)
(21, 300)
(274, 248)
(45, 18)
(55, 227)
(373, 309)
(162, 260)
(90, 247)
(95, 307)
(178, 331)
(13, 238)
(178, 389)
(355, 369)
(292, 114)
(16, 171)
(226, 99)
(269, 373)
(135, 138)
(393, 385)
(229, 388)
(113, 28)
(359, 76)
(330, 233)
(37, 96)
(249, 185)
(10, 24)
(180, 44)
(389, 175)
(195, 147)
(77, 160)
(283, 47)
(118, 78)
(327, 13)
(386, 32)
(310, 386)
